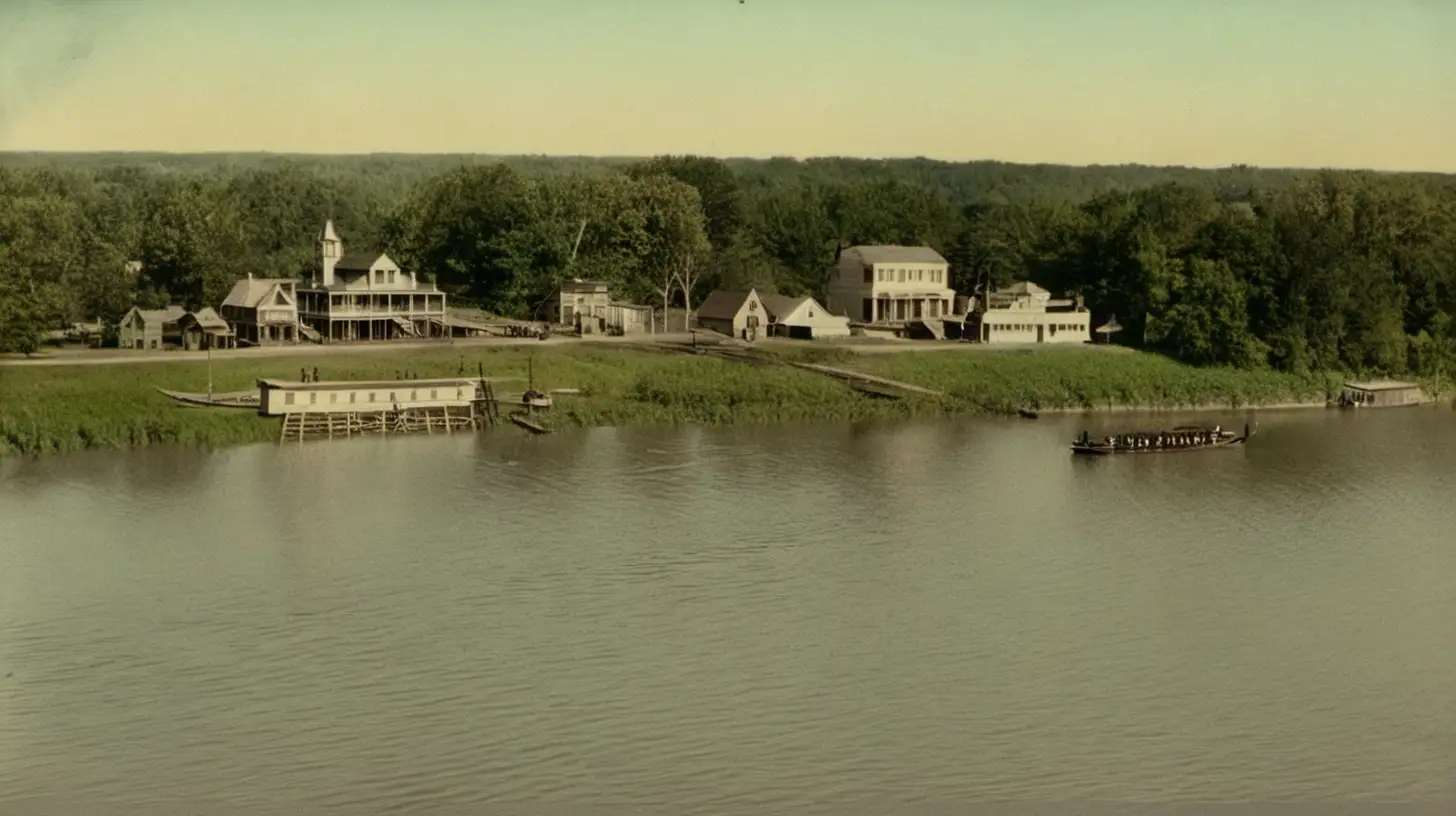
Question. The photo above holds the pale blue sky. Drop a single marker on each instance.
(1267, 82)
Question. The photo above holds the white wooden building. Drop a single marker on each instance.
(280, 397)
(1026, 313)
(802, 318)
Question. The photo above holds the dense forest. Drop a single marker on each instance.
(1296, 270)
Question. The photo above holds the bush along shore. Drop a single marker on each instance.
(47, 409)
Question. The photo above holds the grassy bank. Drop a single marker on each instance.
(56, 409)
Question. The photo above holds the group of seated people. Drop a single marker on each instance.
(1161, 439)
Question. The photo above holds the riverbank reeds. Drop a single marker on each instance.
(1091, 379)
(55, 409)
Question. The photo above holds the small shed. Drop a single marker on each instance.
(737, 314)
(1381, 394)
(205, 329)
(628, 318)
(802, 318)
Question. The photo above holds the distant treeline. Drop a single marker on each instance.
(1297, 270)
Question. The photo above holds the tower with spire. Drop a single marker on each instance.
(330, 250)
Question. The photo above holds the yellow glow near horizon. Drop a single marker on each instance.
(1275, 83)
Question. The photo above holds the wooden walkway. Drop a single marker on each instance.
(860, 378)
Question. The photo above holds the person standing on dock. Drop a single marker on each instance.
(302, 374)
(315, 374)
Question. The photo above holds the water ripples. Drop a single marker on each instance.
(801, 618)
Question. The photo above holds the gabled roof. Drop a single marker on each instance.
(208, 319)
(359, 261)
(1022, 288)
(171, 314)
(781, 306)
(883, 253)
(724, 305)
(248, 293)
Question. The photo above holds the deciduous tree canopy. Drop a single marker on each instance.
(1297, 270)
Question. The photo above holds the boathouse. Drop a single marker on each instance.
(280, 397)
(1381, 394)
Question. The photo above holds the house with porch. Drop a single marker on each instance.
(802, 318)
(204, 329)
(1027, 313)
(150, 329)
(262, 311)
(367, 296)
(740, 315)
(890, 285)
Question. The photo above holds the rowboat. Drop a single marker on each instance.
(236, 399)
(1171, 441)
(520, 418)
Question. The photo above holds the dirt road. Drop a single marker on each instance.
(82, 356)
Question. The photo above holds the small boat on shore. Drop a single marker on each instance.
(237, 399)
(520, 418)
(1177, 440)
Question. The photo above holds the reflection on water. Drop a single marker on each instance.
(801, 617)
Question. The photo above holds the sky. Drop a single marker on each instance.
(1303, 83)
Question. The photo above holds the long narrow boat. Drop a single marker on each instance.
(236, 399)
(1148, 442)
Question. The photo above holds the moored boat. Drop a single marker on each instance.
(1178, 439)
(237, 399)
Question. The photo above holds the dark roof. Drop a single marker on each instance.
(1381, 385)
(358, 261)
(781, 306)
(722, 305)
(584, 286)
(874, 254)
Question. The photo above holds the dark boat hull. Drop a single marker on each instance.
(241, 399)
(1107, 450)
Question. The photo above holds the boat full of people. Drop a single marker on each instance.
(1182, 438)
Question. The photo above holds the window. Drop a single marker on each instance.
(313, 398)
(371, 396)
(334, 397)
(869, 275)
(433, 394)
(379, 276)
(391, 276)
(392, 397)
(460, 393)
(414, 396)
(811, 313)
(920, 274)
(352, 396)
(900, 275)
(288, 398)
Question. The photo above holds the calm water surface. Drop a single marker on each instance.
(747, 620)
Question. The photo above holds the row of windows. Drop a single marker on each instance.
(898, 275)
(1055, 327)
(910, 275)
(313, 396)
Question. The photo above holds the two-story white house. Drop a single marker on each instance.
(1026, 313)
(890, 285)
(366, 296)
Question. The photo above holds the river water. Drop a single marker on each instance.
(796, 619)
